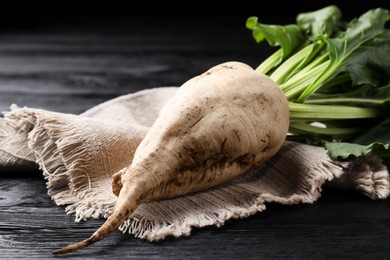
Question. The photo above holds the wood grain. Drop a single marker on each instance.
(340, 224)
(72, 69)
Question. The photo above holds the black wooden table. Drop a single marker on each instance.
(70, 69)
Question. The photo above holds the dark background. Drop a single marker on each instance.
(38, 15)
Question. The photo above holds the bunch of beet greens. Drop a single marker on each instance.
(336, 76)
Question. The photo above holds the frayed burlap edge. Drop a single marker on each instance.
(294, 175)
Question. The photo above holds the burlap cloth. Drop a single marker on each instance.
(78, 154)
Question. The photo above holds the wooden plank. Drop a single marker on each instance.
(57, 71)
(31, 225)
